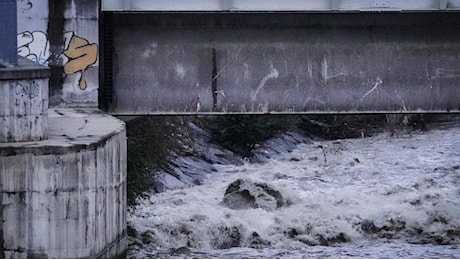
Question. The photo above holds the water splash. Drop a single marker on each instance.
(379, 193)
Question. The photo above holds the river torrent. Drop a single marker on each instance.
(377, 197)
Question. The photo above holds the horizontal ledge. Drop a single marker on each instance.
(26, 69)
(286, 113)
(377, 10)
(69, 130)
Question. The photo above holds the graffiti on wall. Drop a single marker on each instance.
(78, 52)
(25, 5)
(29, 97)
(81, 55)
(34, 46)
(29, 90)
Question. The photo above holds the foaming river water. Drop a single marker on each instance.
(377, 197)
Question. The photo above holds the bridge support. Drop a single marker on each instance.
(62, 173)
(65, 197)
(62, 170)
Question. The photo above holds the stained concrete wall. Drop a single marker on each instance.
(64, 36)
(62, 170)
(23, 102)
(285, 62)
(65, 197)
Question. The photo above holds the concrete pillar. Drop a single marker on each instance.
(62, 171)
(23, 102)
(65, 197)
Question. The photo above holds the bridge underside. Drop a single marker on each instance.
(188, 63)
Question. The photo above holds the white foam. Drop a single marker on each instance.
(407, 183)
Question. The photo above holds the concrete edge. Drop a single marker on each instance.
(57, 150)
(68, 142)
(26, 69)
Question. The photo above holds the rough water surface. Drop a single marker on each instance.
(378, 197)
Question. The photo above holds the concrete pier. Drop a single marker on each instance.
(65, 197)
(62, 170)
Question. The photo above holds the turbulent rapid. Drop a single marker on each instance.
(377, 197)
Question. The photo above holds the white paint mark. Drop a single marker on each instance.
(325, 71)
(324, 68)
(447, 73)
(400, 101)
(225, 66)
(220, 92)
(246, 70)
(314, 100)
(310, 69)
(272, 75)
(34, 46)
(378, 81)
(67, 38)
(180, 71)
(150, 51)
(198, 104)
(262, 107)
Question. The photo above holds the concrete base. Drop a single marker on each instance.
(65, 197)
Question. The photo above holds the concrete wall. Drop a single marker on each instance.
(65, 197)
(23, 102)
(63, 35)
(285, 62)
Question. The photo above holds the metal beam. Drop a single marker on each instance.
(113, 5)
(280, 5)
(191, 63)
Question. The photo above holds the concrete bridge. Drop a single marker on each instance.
(66, 65)
(223, 56)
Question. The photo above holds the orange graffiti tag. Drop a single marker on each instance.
(81, 55)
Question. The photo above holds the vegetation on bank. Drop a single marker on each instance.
(241, 133)
(153, 141)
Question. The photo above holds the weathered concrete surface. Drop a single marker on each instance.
(285, 62)
(64, 36)
(65, 197)
(23, 102)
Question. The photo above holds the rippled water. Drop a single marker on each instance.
(378, 197)
(374, 249)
